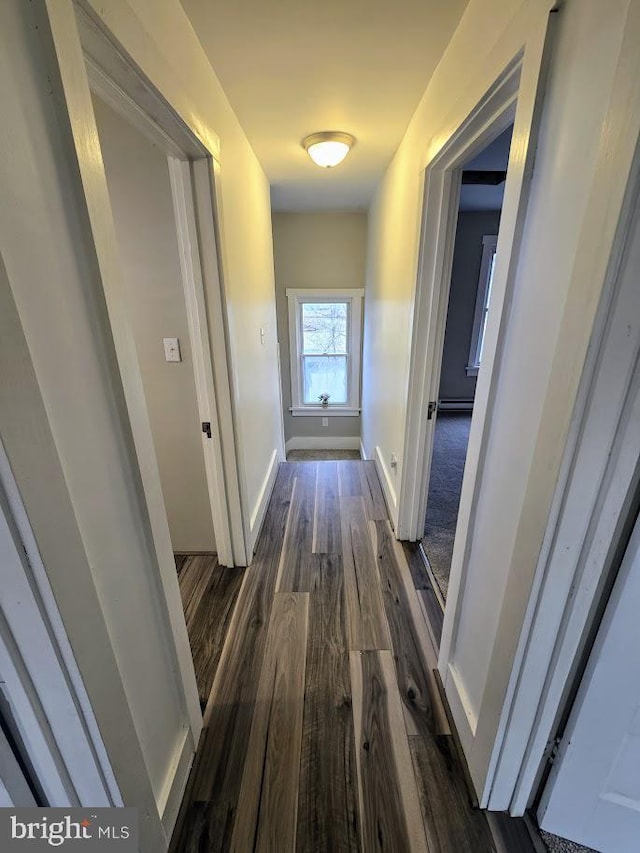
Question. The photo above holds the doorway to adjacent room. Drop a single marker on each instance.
(478, 220)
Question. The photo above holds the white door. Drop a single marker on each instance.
(593, 794)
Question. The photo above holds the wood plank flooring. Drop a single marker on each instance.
(390, 813)
(427, 596)
(209, 594)
(323, 726)
(269, 793)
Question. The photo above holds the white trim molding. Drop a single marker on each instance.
(180, 176)
(465, 720)
(41, 682)
(194, 172)
(565, 533)
(455, 405)
(388, 488)
(596, 490)
(260, 508)
(439, 221)
(514, 97)
(170, 798)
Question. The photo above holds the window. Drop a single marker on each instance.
(485, 281)
(324, 336)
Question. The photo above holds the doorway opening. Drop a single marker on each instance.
(478, 219)
(139, 187)
(146, 222)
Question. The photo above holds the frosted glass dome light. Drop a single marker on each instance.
(328, 148)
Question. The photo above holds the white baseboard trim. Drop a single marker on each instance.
(455, 406)
(463, 718)
(171, 798)
(363, 454)
(387, 487)
(322, 442)
(260, 508)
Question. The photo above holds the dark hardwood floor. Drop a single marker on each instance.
(324, 729)
(209, 594)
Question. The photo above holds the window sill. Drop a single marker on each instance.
(329, 412)
(472, 371)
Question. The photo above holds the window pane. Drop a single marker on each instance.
(490, 282)
(324, 327)
(485, 313)
(324, 375)
(482, 334)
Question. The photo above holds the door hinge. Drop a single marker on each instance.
(431, 408)
(206, 428)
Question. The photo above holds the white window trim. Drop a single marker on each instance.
(296, 298)
(489, 244)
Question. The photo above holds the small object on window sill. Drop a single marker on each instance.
(324, 400)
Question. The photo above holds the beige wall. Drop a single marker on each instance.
(315, 250)
(544, 347)
(140, 194)
(161, 40)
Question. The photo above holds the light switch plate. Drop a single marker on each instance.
(172, 349)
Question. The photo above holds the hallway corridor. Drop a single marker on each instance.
(323, 731)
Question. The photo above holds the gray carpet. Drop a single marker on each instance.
(555, 844)
(447, 467)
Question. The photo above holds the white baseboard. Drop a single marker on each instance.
(322, 442)
(260, 508)
(455, 406)
(387, 487)
(463, 717)
(171, 798)
(363, 453)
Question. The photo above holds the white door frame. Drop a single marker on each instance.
(505, 103)
(596, 486)
(580, 761)
(40, 683)
(113, 77)
(513, 98)
(52, 93)
(439, 222)
(567, 588)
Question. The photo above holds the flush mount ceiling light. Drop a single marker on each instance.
(328, 148)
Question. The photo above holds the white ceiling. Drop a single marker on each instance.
(293, 67)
